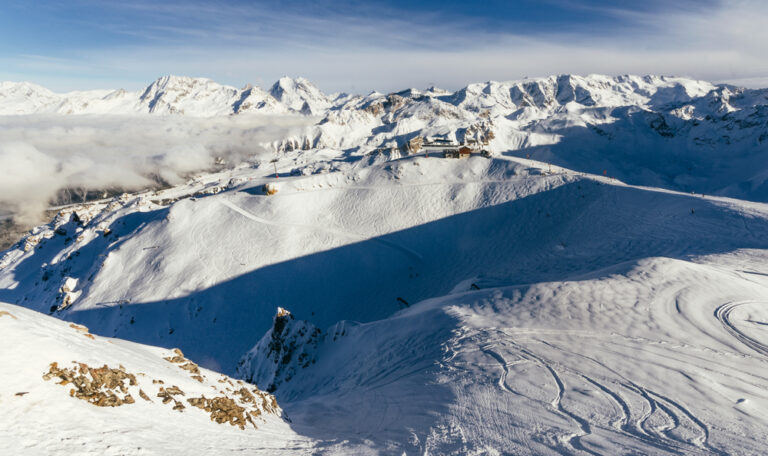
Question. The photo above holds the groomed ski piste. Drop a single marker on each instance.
(501, 305)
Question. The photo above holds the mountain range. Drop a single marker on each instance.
(670, 132)
(167, 95)
(594, 283)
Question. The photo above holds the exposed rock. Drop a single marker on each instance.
(374, 109)
(414, 145)
(185, 364)
(103, 386)
(269, 188)
(166, 394)
(224, 410)
(82, 329)
(283, 352)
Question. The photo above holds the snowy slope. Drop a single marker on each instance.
(657, 356)
(221, 261)
(145, 396)
(526, 303)
(358, 239)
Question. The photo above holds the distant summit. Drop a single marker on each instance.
(300, 95)
(199, 97)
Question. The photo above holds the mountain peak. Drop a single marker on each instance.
(299, 95)
(170, 82)
(288, 84)
(179, 94)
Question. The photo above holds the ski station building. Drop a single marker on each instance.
(451, 149)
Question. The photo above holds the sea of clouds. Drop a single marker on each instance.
(42, 154)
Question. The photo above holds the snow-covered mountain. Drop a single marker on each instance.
(661, 131)
(300, 95)
(167, 95)
(669, 132)
(566, 294)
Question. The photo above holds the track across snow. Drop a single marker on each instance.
(724, 315)
(335, 232)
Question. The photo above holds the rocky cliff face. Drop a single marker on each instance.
(286, 349)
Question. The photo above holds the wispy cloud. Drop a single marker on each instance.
(351, 48)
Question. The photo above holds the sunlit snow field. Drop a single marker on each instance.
(596, 286)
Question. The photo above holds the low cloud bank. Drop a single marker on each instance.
(42, 154)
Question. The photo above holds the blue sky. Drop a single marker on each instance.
(360, 46)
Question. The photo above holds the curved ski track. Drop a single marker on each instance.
(357, 237)
(645, 415)
(723, 314)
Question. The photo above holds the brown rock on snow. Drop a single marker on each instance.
(102, 386)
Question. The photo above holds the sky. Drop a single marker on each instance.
(357, 47)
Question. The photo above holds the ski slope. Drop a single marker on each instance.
(633, 359)
(381, 232)
(575, 293)
(579, 314)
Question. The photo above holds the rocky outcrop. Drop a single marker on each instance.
(101, 386)
(237, 404)
(284, 351)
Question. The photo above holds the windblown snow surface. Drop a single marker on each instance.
(597, 286)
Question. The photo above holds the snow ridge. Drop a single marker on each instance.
(595, 283)
(170, 94)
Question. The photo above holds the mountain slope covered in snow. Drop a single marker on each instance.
(67, 390)
(534, 267)
(593, 285)
(657, 356)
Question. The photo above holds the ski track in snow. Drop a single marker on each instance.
(657, 435)
(615, 387)
(723, 315)
(345, 234)
(504, 370)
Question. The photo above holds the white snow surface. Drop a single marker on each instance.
(40, 417)
(567, 295)
(167, 95)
